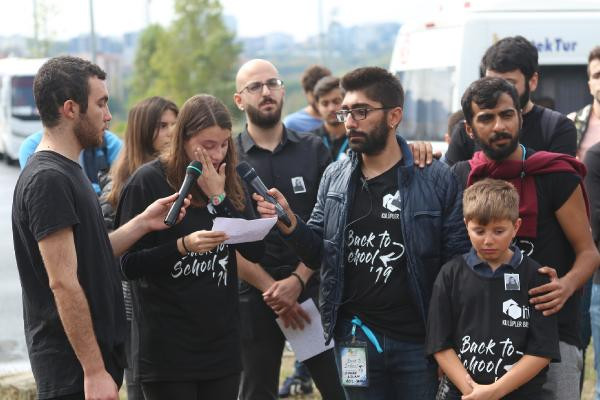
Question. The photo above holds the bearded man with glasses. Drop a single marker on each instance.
(295, 163)
(380, 231)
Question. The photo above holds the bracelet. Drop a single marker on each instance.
(184, 246)
(299, 279)
(217, 199)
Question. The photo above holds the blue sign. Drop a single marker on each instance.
(555, 45)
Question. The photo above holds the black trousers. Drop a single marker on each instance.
(262, 349)
(222, 388)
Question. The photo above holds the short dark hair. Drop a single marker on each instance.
(594, 55)
(325, 85)
(511, 53)
(455, 118)
(377, 83)
(485, 92)
(60, 79)
(311, 76)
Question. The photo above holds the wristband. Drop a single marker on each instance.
(217, 199)
(299, 279)
(184, 246)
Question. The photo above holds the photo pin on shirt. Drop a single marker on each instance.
(298, 185)
(511, 282)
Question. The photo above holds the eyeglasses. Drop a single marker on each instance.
(357, 113)
(271, 84)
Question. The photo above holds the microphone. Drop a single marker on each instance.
(192, 172)
(248, 174)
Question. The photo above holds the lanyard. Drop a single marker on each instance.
(342, 150)
(368, 332)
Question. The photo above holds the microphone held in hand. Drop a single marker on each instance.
(249, 175)
(192, 172)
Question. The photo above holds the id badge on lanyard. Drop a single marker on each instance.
(354, 363)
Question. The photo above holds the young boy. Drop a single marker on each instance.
(488, 340)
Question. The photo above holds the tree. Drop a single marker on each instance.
(144, 74)
(196, 54)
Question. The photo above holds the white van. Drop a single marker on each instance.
(437, 59)
(19, 116)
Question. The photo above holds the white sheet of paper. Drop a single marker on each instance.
(242, 230)
(309, 341)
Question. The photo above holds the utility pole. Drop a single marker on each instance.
(36, 28)
(92, 33)
(321, 31)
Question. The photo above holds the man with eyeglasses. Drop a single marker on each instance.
(380, 231)
(295, 163)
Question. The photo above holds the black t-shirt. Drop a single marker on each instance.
(562, 140)
(490, 324)
(53, 193)
(592, 186)
(551, 247)
(375, 272)
(186, 307)
(295, 168)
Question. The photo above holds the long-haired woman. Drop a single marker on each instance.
(148, 132)
(185, 287)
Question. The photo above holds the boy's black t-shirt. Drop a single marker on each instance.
(186, 307)
(53, 193)
(490, 323)
(551, 247)
(375, 273)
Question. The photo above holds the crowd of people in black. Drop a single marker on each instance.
(465, 277)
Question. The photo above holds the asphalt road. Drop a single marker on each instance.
(13, 352)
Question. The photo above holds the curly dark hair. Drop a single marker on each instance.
(311, 76)
(485, 92)
(511, 53)
(377, 83)
(60, 79)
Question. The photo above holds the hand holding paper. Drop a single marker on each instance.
(241, 230)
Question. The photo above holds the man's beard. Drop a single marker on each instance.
(86, 133)
(497, 154)
(524, 98)
(374, 142)
(264, 120)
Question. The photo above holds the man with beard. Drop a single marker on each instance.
(294, 162)
(516, 60)
(380, 231)
(328, 99)
(72, 298)
(555, 230)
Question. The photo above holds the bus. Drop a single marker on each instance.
(19, 116)
(436, 59)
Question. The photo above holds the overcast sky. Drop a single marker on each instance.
(254, 18)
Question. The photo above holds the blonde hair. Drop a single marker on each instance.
(489, 200)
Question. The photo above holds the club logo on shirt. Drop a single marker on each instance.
(519, 314)
(525, 246)
(298, 185)
(393, 203)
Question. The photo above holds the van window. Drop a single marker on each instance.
(563, 86)
(22, 102)
(427, 102)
